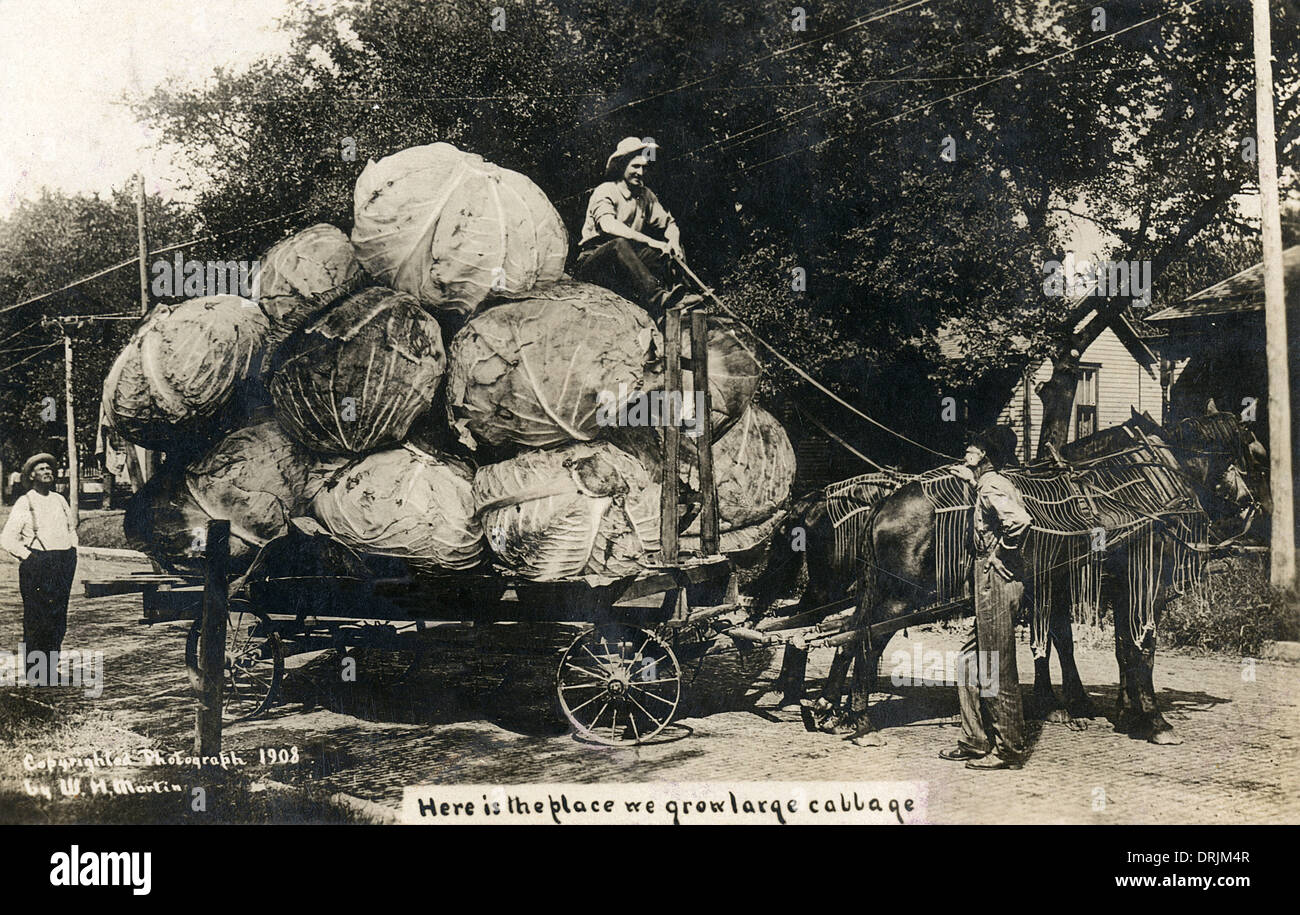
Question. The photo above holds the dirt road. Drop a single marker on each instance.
(479, 712)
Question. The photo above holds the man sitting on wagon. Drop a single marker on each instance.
(992, 719)
(629, 240)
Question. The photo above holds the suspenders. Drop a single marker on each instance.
(36, 535)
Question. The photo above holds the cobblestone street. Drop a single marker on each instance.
(481, 712)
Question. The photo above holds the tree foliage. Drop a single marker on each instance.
(918, 162)
(45, 244)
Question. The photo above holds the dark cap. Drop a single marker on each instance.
(998, 443)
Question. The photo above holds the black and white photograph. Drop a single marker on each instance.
(635, 412)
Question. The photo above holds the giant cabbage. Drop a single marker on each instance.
(734, 373)
(357, 378)
(404, 503)
(302, 275)
(256, 478)
(561, 513)
(536, 371)
(753, 469)
(452, 229)
(172, 384)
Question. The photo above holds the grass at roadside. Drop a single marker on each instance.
(1236, 613)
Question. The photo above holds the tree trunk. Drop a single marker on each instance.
(1057, 395)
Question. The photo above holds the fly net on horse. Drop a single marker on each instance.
(1136, 500)
(850, 503)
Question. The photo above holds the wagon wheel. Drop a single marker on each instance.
(254, 662)
(618, 685)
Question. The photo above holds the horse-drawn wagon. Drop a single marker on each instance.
(620, 679)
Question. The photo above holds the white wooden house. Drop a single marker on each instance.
(1120, 372)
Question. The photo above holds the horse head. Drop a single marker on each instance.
(1228, 463)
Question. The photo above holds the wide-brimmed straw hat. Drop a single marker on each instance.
(30, 464)
(626, 147)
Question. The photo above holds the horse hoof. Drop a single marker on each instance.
(1082, 708)
(869, 739)
(1076, 724)
(834, 725)
(1057, 716)
(806, 714)
(1166, 738)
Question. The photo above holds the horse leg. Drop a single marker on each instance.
(1046, 706)
(822, 714)
(1128, 719)
(1157, 729)
(1077, 703)
(866, 672)
(794, 671)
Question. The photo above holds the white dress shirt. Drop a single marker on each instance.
(53, 529)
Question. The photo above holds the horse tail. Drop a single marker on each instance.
(786, 555)
(868, 578)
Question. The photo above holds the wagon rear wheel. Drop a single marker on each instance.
(618, 685)
(253, 666)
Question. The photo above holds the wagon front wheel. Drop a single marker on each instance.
(253, 666)
(618, 685)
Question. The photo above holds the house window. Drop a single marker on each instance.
(1085, 402)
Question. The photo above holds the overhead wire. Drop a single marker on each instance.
(15, 365)
(169, 248)
(826, 105)
(1009, 75)
(875, 16)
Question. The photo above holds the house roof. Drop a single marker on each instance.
(1241, 293)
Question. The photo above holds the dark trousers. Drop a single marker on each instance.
(45, 581)
(992, 723)
(633, 270)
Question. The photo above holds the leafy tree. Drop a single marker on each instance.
(46, 244)
(826, 149)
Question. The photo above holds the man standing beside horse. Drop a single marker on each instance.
(988, 687)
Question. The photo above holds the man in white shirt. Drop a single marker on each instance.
(629, 239)
(42, 534)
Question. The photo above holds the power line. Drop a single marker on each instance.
(23, 349)
(825, 106)
(900, 7)
(22, 331)
(133, 260)
(930, 104)
(15, 365)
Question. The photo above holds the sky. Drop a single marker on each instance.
(66, 65)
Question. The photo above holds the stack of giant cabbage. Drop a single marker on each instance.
(332, 394)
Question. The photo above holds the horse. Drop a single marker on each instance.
(898, 546)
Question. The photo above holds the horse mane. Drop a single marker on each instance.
(1220, 433)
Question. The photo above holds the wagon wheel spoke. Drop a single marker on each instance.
(592, 727)
(601, 677)
(578, 708)
(644, 710)
(604, 662)
(654, 695)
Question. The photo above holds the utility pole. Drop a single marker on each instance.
(142, 248)
(1282, 569)
(74, 471)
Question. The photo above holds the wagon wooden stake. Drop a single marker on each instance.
(212, 642)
